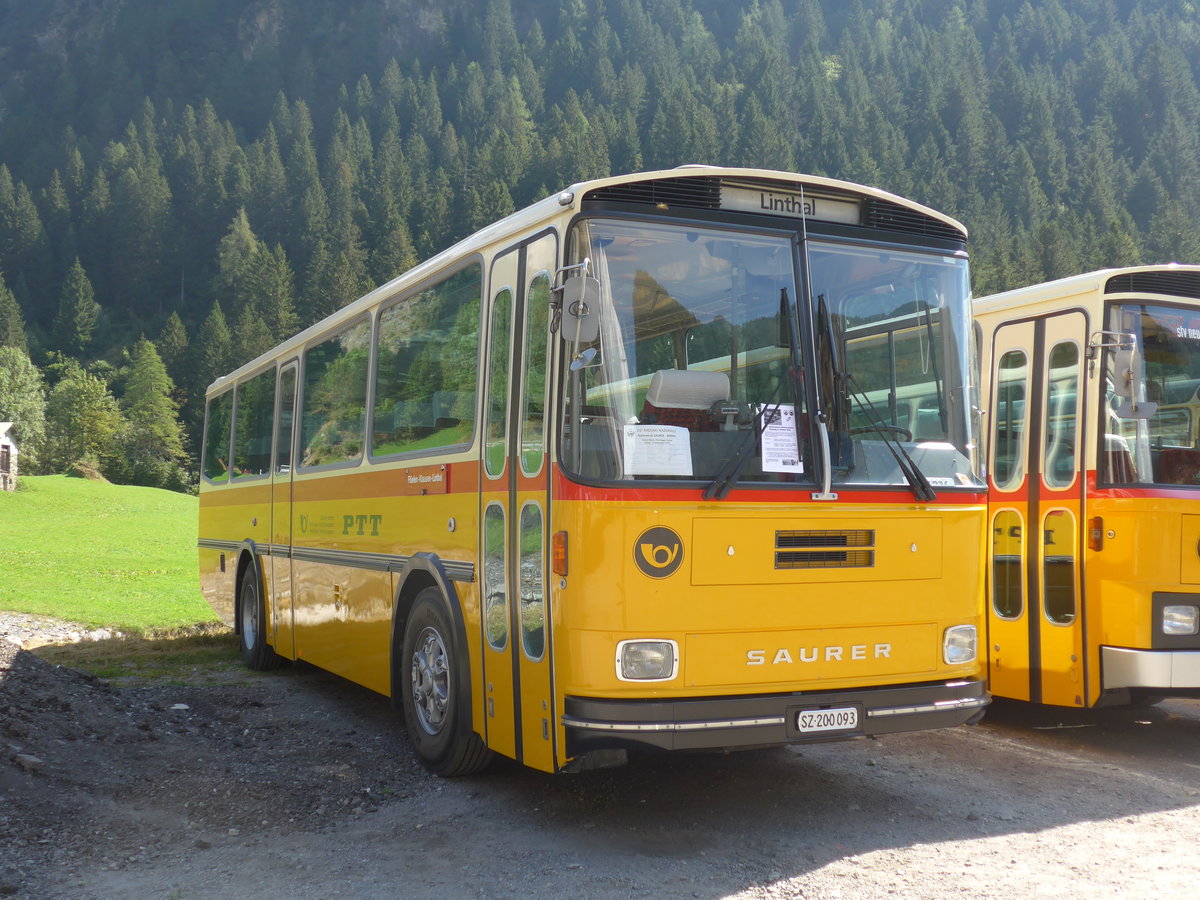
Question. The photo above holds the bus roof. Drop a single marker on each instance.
(569, 201)
(1172, 279)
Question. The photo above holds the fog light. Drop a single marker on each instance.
(1181, 620)
(958, 645)
(647, 660)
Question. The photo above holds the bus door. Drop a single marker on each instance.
(514, 496)
(282, 612)
(1035, 615)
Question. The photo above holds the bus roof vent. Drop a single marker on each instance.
(693, 193)
(704, 192)
(1162, 281)
(878, 213)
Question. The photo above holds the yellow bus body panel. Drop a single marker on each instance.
(766, 629)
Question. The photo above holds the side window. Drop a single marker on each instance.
(287, 413)
(254, 425)
(1062, 450)
(496, 430)
(495, 578)
(218, 420)
(1058, 566)
(533, 598)
(335, 397)
(533, 399)
(427, 373)
(1008, 571)
(1008, 420)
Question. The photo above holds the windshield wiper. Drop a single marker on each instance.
(731, 471)
(933, 361)
(916, 479)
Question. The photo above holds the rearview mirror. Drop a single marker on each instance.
(580, 309)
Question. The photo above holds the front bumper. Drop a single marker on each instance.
(1164, 670)
(764, 720)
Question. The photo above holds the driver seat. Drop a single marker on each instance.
(684, 398)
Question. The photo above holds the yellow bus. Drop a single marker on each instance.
(636, 467)
(1094, 476)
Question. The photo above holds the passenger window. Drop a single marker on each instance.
(216, 438)
(495, 578)
(287, 413)
(1008, 420)
(335, 397)
(254, 426)
(537, 336)
(533, 600)
(1008, 579)
(427, 373)
(496, 433)
(1058, 566)
(1062, 451)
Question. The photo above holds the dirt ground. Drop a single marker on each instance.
(296, 784)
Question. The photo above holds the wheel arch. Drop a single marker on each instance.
(248, 556)
(425, 570)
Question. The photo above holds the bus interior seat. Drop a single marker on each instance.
(1178, 465)
(683, 397)
(1118, 461)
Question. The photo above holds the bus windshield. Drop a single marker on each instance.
(1151, 427)
(893, 332)
(698, 368)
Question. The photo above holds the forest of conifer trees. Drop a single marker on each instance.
(184, 185)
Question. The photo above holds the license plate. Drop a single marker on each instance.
(840, 718)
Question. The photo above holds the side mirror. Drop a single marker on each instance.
(580, 309)
(1126, 376)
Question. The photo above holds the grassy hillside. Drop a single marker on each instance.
(100, 554)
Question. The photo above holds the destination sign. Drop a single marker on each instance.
(786, 203)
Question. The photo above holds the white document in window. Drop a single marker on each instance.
(780, 452)
(657, 450)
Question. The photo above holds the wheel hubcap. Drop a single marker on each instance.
(430, 681)
(249, 619)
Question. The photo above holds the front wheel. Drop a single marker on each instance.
(256, 652)
(432, 694)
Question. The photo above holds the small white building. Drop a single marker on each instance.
(8, 458)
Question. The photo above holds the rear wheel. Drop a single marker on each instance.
(256, 652)
(432, 694)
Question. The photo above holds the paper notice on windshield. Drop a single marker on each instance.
(657, 450)
(780, 452)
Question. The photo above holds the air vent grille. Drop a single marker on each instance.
(892, 217)
(692, 193)
(1174, 284)
(704, 192)
(853, 549)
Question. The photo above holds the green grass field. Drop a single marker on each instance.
(100, 554)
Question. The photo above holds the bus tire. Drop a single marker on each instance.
(252, 612)
(431, 694)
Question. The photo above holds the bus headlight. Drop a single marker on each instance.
(647, 660)
(958, 645)
(1181, 620)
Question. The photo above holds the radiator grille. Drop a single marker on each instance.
(853, 549)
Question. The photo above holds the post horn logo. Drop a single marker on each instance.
(658, 552)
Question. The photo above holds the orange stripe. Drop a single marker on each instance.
(461, 478)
